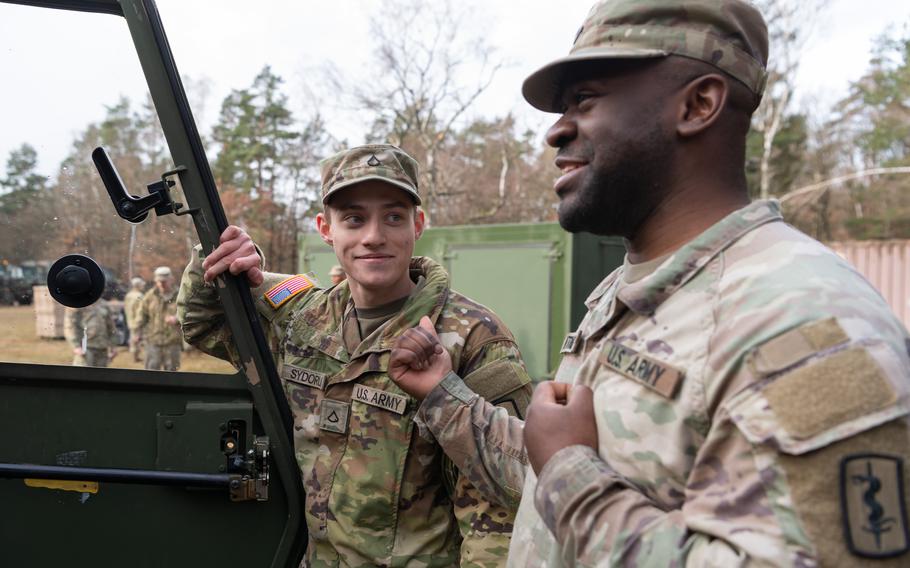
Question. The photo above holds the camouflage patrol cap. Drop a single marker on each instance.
(729, 34)
(163, 273)
(382, 162)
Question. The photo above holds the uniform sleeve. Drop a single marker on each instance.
(201, 314)
(486, 523)
(483, 441)
(801, 451)
(111, 326)
(142, 312)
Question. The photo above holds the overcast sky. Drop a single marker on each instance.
(60, 69)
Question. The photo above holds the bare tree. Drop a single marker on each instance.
(427, 74)
(789, 29)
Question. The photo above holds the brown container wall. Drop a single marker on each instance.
(886, 264)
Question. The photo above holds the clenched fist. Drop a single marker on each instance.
(419, 361)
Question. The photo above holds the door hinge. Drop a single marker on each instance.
(252, 483)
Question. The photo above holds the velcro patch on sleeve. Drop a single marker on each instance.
(797, 344)
(837, 389)
(280, 293)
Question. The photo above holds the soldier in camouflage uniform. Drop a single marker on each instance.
(158, 324)
(737, 393)
(131, 304)
(379, 493)
(90, 332)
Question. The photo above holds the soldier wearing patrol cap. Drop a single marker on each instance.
(736, 394)
(157, 322)
(379, 491)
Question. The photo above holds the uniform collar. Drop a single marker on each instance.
(644, 296)
(323, 321)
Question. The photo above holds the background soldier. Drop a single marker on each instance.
(131, 304)
(91, 333)
(378, 492)
(736, 394)
(337, 275)
(158, 325)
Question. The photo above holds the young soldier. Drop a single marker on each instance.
(379, 493)
(736, 394)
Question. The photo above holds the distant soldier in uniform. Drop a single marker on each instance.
(379, 492)
(158, 325)
(131, 305)
(90, 332)
(337, 275)
(737, 394)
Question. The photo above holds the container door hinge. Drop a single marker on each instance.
(253, 483)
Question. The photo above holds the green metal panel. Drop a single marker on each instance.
(488, 272)
(534, 276)
(78, 416)
(316, 257)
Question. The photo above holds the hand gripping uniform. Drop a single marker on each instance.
(377, 492)
(751, 399)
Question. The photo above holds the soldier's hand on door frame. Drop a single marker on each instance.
(236, 254)
(419, 361)
(560, 415)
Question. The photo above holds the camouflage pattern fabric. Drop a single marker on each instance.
(96, 324)
(377, 491)
(728, 34)
(731, 386)
(153, 311)
(382, 162)
(163, 357)
(131, 303)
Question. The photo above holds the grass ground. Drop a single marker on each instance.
(19, 343)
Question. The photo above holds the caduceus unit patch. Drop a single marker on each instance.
(872, 505)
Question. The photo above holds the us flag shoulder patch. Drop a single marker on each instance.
(287, 289)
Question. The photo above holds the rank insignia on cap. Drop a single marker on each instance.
(287, 289)
(872, 505)
(374, 161)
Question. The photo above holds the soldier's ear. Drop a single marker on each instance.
(700, 104)
(324, 227)
(420, 221)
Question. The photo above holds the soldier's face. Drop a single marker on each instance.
(614, 145)
(373, 226)
(164, 284)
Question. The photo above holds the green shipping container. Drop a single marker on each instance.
(535, 276)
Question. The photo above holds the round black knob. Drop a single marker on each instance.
(75, 281)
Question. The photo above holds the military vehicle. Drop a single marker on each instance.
(115, 466)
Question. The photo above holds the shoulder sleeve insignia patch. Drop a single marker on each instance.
(287, 289)
(873, 506)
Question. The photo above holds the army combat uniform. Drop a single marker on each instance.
(91, 328)
(162, 340)
(751, 399)
(377, 492)
(131, 304)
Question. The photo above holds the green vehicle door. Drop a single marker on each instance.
(113, 464)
